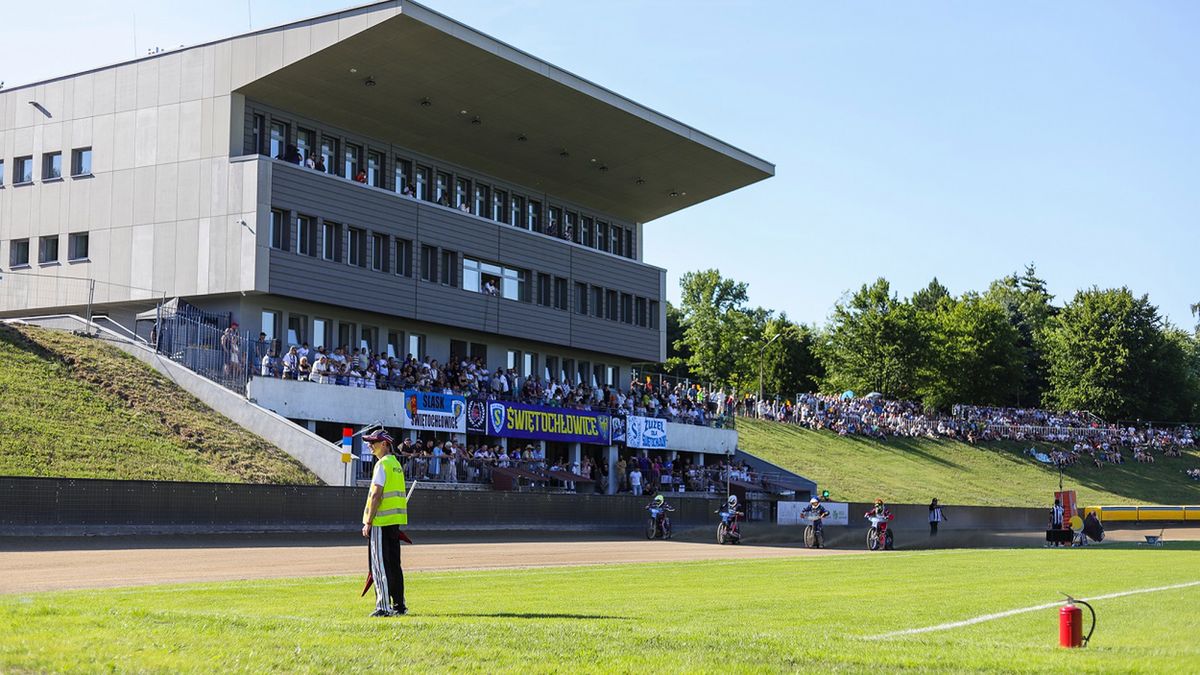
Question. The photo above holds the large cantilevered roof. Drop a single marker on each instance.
(427, 69)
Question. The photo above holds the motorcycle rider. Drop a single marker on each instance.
(730, 509)
(660, 503)
(881, 511)
(817, 512)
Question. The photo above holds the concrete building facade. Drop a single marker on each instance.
(473, 199)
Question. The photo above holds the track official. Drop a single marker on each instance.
(385, 512)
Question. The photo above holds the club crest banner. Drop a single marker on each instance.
(645, 432)
(517, 420)
(428, 411)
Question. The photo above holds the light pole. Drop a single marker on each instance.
(761, 353)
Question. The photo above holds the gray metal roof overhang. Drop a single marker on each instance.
(423, 55)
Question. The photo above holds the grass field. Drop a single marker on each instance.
(996, 474)
(79, 408)
(757, 615)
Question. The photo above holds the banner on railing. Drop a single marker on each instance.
(428, 411)
(649, 433)
(517, 420)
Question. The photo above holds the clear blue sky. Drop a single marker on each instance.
(956, 139)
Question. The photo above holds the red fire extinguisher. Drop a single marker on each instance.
(1070, 624)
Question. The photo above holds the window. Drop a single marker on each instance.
(422, 183)
(48, 250)
(499, 205)
(552, 367)
(449, 268)
(618, 239)
(18, 253)
(570, 233)
(394, 344)
(612, 308)
(581, 298)
(597, 302)
(585, 231)
(270, 325)
(528, 365)
(479, 351)
(329, 147)
(458, 350)
(23, 170)
(331, 241)
(403, 174)
(483, 199)
(534, 216)
(514, 286)
(639, 312)
(279, 230)
(416, 345)
(306, 144)
(351, 161)
(81, 162)
(77, 246)
(601, 235)
(561, 299)
(358, 247)
(441, 188)
(554, 221)
(428, 263)
(321, 333)
(583, 374)
(654, 314)
(379, 252)
(516, 210)
(544, 296)
(374, 169)
(462, 192)
(514, 359)
(630, 249)
(366, 340)
(626, 308)
(295, 332)
(480, 277)
(306, 241)
(1, 173)
(568, 370)
(279, 134)
(346, 333)
(404, 257)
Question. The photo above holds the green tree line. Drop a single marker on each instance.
(1104, 350)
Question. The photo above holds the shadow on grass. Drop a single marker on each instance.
(538, 615)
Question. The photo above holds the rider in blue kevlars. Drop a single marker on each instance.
(817, 512)
(659, 508)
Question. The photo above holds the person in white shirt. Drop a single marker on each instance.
(635, 481)
(291, 364)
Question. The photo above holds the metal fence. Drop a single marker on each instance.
(206, 343)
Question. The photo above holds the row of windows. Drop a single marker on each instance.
(320, 332)
(440, 186)
(394, 255)
(81, 165)
(47, 250)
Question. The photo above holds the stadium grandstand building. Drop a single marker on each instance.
(384, 177)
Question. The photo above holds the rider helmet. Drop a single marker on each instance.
(878, 502)
(814, 501)
(732, 500)
(658, 500)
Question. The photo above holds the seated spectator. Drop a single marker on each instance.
(361, 177)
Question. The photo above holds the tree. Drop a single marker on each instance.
(716, 328)
(1110, 353)
(790, 363)
(678, 352)
(975, 354)
(873, 342)
(1027, 303)
(927, 299)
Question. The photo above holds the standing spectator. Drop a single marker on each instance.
(435, 464)
(261, 347)
(232, 351)
(635, 481)
(935, 516)
(291, 364)
(386, 510)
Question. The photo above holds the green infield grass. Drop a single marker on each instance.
(914, 470)
(800, 614)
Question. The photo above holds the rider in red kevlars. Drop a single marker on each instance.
(881, 511)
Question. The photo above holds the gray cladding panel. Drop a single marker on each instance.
(331, 198)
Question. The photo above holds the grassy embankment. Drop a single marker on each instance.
(814, 614)
(76, 407)
(994, 474)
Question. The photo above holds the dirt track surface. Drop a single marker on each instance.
(64, 565)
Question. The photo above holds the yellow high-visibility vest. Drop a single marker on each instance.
(393, 510)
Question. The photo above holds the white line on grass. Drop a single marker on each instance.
(1023, 610)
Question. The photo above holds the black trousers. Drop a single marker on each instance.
(384, 559)
(933, 528)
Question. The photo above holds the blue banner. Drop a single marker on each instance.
(517, 420)
(430, 411)
(645, 432)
